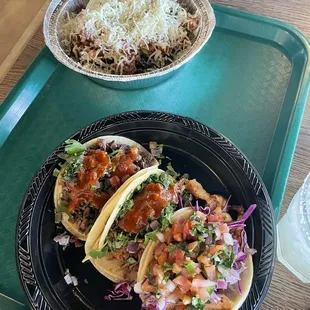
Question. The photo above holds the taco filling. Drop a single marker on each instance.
(146, 211)
(200, 260)
(91, 174)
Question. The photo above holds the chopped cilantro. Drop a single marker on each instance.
(56, 172)
(130, 260)
(181, 246)
(72, 166)
(138, 188)
(184, 176)
(166, 215)
(191, 268)
(187, 198)
(197, 304)
(120, 241)
(98, 253)
(171, 171)
(167, 266)
(128, 204)
(163, 178)
(150, 236)
(210, 290)
(199, 229)
(224, 257)
(74, 147)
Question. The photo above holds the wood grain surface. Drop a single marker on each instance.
(286, 292)
(19, 21)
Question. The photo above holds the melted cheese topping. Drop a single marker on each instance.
(108, 35)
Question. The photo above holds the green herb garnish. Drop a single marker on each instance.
(187, 199)
(150, 236)
(191, 268)
(171, 171)
(98, 253)
(130, 260)
(224, 257)
(56, 172)
(128, 204)
(197, 304)
(166, 216)
(167, 266)
(182, 246)
(74, 147)
(120, 241)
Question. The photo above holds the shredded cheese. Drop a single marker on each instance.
(125, 37)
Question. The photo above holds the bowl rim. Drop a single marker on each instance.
(57, 7)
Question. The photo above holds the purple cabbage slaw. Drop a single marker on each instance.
(120, 291)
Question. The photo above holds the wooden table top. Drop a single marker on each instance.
(286, 292)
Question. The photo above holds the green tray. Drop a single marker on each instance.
(250, 82)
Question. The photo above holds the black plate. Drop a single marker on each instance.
(193, 148)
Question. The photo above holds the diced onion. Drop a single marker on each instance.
(170, 286)
(202, 283)
(160, 236)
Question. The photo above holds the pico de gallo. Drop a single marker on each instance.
(198, 258)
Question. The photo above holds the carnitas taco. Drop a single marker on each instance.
(124, 228)
(202, 261)
(91, 175)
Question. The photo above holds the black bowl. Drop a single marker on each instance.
(193, 148)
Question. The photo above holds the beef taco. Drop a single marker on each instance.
(92, 173)
(139, 214)
(205, 263)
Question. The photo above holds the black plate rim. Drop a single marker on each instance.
(85, 133)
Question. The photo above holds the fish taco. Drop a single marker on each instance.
(202, 261)
(91, 175)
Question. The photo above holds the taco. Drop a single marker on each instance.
(129, 221)
(91, 175)
(204, 263)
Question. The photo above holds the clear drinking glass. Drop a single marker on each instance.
(293, 233)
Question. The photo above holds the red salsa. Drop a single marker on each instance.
(94, 166)
(123, 166)
(148, 203)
